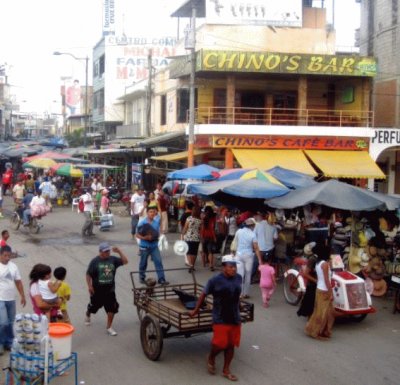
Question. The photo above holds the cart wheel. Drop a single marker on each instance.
(151, 337)
(15, 221)
(140, 313)
(291, 289)
(359, 317)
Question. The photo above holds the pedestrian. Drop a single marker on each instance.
(307, 303)
(157, 190)
(191, 235)
(188, 212)
(26, 203)
(221, 228)
(148, 232)
(267, 235)
(96, 187)
(105, 202)
(10, 280)
(1, 202)
(48, 290)
(46, 190)
(4, 238)
(267, 282)
(40, 271)
(247, 245)
(162, 203)
(225, 289)
(18, 192)
(7, 179)
(100, 278)
(320, 324)
(63, 292)
(208, 237)
(137, 207)
(88, 207)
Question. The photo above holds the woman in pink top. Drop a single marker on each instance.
(104, 203)
(267, 282)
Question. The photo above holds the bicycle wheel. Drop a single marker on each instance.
(34, 227)
(15, 221)
(291, 289)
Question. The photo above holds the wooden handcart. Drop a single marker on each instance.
(163, 315)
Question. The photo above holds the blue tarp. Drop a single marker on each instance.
(200, 172)
(333, 193)
(244, 188)
(292, 179)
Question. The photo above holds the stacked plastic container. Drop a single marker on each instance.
(29, 345)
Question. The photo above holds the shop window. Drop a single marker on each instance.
(163, 120)
(182, 112)
(102, 64)
(348, 95)
(95, 69)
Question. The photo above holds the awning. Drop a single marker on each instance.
(179, 155)
(266, 159)
(346, 164)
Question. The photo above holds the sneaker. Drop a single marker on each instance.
(163, 283)
(111, 332)
(142, 281)
(87, 320)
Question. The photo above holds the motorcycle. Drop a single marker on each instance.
(350, 295)
(114, 194)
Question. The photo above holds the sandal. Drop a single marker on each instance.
(210, 367)
(230, 376)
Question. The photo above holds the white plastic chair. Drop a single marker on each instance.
(75, 203)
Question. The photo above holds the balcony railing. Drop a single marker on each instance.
(284, 116)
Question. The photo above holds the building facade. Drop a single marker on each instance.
(380, 37)
(268, 95)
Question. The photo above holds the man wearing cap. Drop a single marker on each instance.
(88, 207)
(247, 245)
(100, 278)
(148, 231)
(225, 289)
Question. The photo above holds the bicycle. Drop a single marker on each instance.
(16, 220)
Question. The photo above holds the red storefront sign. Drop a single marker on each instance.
(282, 142)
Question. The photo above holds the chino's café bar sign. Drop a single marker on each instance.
(289, 142)
(270, 62)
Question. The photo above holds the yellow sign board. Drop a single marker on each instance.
(270, 62)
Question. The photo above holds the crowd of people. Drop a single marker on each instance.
(244, 243)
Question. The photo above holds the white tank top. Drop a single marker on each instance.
(320, 276)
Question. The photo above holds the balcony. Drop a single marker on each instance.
(283, 116)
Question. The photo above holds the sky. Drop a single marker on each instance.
(31, 30)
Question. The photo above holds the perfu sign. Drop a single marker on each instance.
(273, 62)
(292, 142)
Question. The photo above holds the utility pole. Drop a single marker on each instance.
(149, 92)
(192, 46)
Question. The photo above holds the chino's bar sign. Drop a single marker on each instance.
(292, 142)
(271, 62)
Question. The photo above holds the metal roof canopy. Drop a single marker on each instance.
(185, 10)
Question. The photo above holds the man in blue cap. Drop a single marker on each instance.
(100, 278)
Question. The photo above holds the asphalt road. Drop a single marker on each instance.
(274, 349)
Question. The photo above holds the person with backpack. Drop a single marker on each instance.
(86, 206)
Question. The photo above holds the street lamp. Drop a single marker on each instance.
(86, 59)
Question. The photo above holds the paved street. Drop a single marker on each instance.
(274, 349)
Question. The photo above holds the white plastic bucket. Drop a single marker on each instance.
(61, 338)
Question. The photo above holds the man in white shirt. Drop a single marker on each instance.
(267, 235)
(10, 279)
(137, 207)
(87, 229)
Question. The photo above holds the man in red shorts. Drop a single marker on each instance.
(225, 289)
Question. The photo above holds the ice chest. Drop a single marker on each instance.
(61, 339)
(106, 221)
(349, 291)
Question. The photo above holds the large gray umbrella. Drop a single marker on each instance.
(333, 193)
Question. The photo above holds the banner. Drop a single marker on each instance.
(277, 62)
(281, 13)
(72, 98)
(289, 143)
(108, 17)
